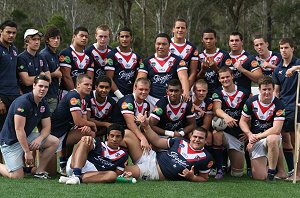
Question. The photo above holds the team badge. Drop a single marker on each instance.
(73, 101)
(153, 64)
(255, 110)
(21, 67)
(41, 63)
(254, 63)
(20, 109)
(228, 62)
(110, 61)
(245, 108)
(181, 145)
(172, 50)
(182, 63)
(42, 109)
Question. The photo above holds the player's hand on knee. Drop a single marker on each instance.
(249, 147)
(87, 140)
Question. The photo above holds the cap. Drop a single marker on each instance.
(32, 32)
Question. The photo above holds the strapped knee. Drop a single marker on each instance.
(236, 172)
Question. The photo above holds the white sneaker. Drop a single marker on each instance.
(73, 180)
(213, 172)
(63, 179)
(63, 171)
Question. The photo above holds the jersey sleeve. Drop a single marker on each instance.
(74, 103)
(247, 108)
(143, 67)
(280, 111)
(21, 65)
(181, 65)
(122, 162)
(189, 110)
(158, 110)
(109, 62)
(127, 105)
(204, 166)
(65, 59)
(22, 108)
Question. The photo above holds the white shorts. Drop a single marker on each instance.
(231, 142)
(61, 139)
(147, 165)
(260, 149)
(88, 167)
(152, 101)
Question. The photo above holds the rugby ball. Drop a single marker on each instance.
(218, 124)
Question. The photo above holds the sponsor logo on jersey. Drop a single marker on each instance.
(254, 63)
(110, 61)
(280, 112)
(21, 67)
(42, 109)
(215, 95)
(20, 109)
(73, 101)
(245, 108)
(61, 58)
(228, 62)
(157, 110)
(67, 59)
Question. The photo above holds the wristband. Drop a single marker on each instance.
(181, 133)
(169, 133)
(118, 94)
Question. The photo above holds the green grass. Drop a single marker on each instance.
(228, 187)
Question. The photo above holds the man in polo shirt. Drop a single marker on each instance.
(17, 138)
(9, 89)
(30, 63)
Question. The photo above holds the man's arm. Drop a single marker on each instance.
(66, 78)
(153, 123)
(207, 121)
(153, 138)
(193, 72)
(183, 77)
(274, 130)
(277, 91)
(190, 175)
(191, 125)
(244, 125)
(26, 79)
(254, 76)
(80, 121)
(231, 122)
(97, 122)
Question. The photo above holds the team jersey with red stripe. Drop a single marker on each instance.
(222, 58)
(79, 63)
(182, 156)
(207, 106)
(232, 104)
(128, 105)
(273, 59)
(263, 115)
(98, 57)
(105, 158)
(103, 111)
(125, 67)
(249, 62)
(160, 71)
(172, 117)
(61, 119)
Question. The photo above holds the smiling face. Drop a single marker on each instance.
(141, 91)
(85, 86)
(102, 89)
(114, 138)
(179, 30)
(226, 79)
(197, 139)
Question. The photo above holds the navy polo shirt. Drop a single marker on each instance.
(52, 61)
(25, 107)
(33, 65)
(8, 73)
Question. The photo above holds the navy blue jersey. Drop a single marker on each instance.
(262, 115)
(128, 105)
(181, 156)
(79, 63)
(33, 65)
(125, 67)
(161, 71)
(273, 59)
(187, 51)
(207, 106)
(26, 107)
(172, 117)
(232, 104)
(52, 61)
(8, 71)
(105, 158)
(288, 86)
(61, 119)
(98, 57)
(100, 112)
(249, 62)
(222, 58)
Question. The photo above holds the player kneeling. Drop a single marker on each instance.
(267, 115)
(94, 161)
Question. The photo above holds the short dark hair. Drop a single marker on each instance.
(81, 76)
(287, 40)
(174, 82)
(80, 28)
(181, 20)
(237, 34)
(225, 69)
(125, 29)
(41, 77)
(103, 79)
(8, 23)
(259, 36)
(265, 80)
(117, 127)
(209, 30)
(199, 128)
(163, 35)
(52, 32)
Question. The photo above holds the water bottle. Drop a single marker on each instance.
(126, 180)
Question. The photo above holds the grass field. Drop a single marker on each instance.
(228, 187)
